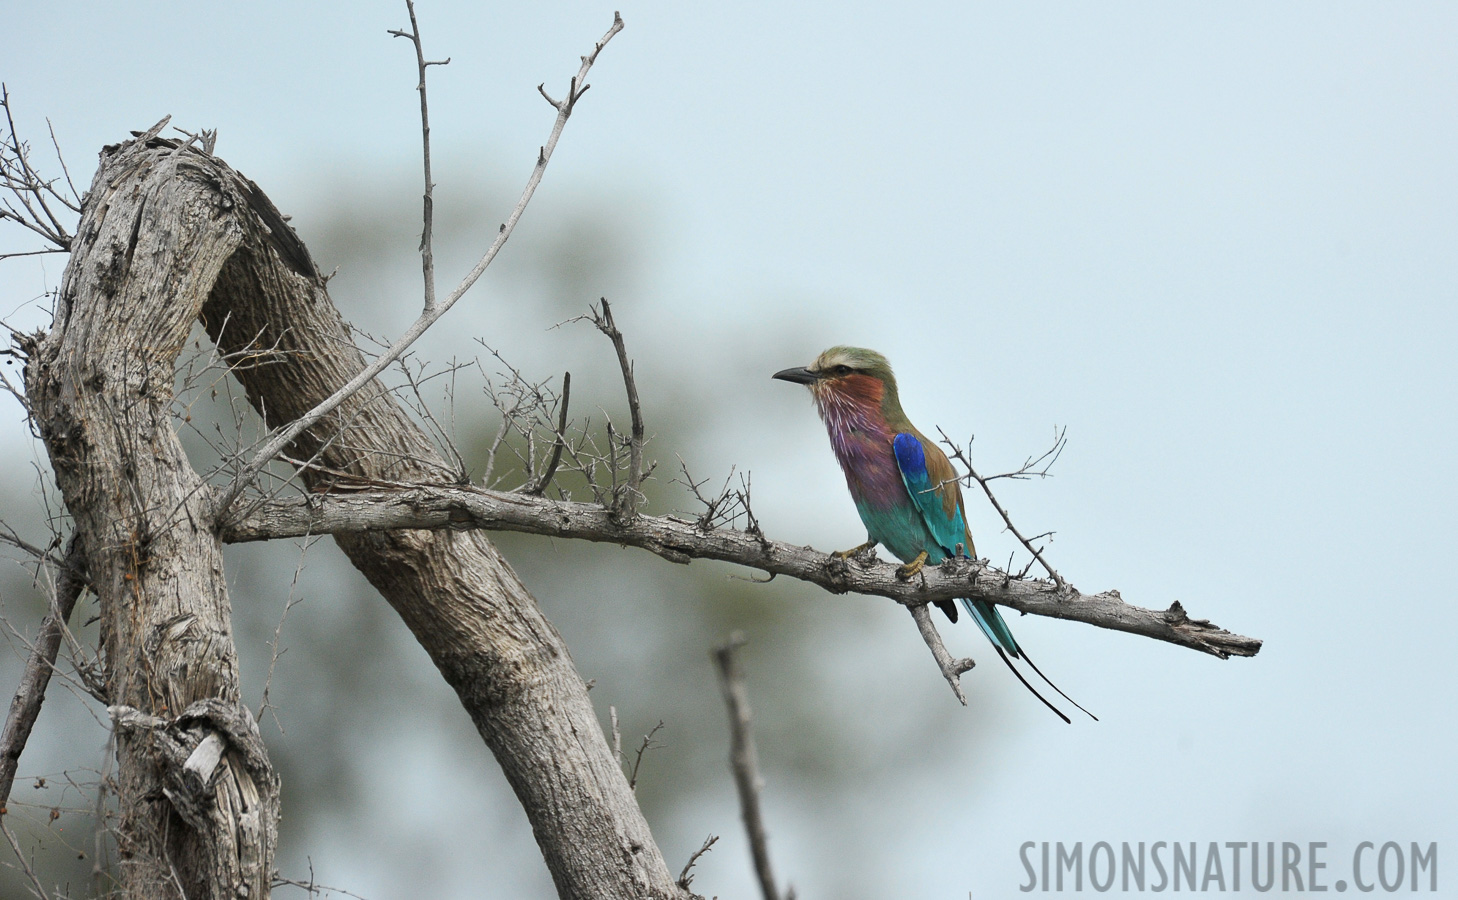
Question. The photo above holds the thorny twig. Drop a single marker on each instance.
(1029, 468)
(686, 878)
(727, 506)
(528, 409)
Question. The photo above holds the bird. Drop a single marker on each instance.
(903, 485)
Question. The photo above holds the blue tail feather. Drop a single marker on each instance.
(992, 625)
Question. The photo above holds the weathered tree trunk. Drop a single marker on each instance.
(170, 233)
(460, 598)
(152, 239)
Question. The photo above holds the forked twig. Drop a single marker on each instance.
(625, 503)
(961, 457)
(951, 669)
(643, 748)
(28, 189)
(1040, 465)
(686, 878)
(561, 439)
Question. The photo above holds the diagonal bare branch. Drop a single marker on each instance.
(951, 669)
(1037, 552)
(433, 310)
(26, 705)
(744, 760)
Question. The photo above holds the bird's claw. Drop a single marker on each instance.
(905, 572)
(854, 551)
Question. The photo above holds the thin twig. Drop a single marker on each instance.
(100, 855)
(427, 252)
(274, 651)
(74, 204)
(643, 748)
(26, 705)
(433, 310)
(561, 438)
(311, 887)
(686, 878)
(744, 759)
(627, 503)
(1040, 465)
(45, 252)
(958, 455)
(25, 185)
(35, 881)
(417, 379)
(727, 506)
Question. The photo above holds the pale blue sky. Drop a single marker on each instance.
(1220, 244)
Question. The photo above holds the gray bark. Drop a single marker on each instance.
(455, 592)
(147, 250)
(168, 235)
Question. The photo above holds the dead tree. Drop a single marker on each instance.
(170, 235)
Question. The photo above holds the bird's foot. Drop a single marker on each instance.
(958, 565)
(912, 567)
(854, 551)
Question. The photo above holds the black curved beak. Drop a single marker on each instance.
(797, 375)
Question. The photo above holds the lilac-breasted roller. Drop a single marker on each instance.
(903, 485)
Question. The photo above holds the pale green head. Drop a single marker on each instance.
(841, 362)
(844, 371)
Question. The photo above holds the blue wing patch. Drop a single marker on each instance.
(949, 532)
(911, 459)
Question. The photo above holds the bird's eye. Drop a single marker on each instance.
(841, 370)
